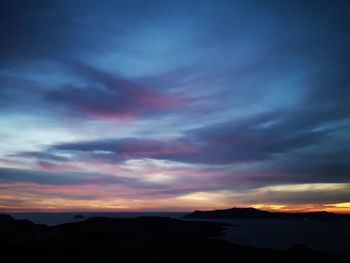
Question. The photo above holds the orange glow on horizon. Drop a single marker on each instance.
(91, 197)
(334, 208)
(164, 204)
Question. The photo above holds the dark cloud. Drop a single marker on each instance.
(19, 94)
(46, 178)
(107, 95)
(299, 197)
(40, 155)
(255, 139)
(14, 176)
(103, 95)
(313, 167)
(283, 140)
(129, 148)
(248, 140)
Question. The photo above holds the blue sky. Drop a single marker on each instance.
(174, 105)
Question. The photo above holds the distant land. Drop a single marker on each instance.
(142, 239)
(253, 213)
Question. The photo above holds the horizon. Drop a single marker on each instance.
(165, 211)
(174, 105)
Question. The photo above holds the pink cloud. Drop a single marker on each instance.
(140, 148)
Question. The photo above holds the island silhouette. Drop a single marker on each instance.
(253, 213)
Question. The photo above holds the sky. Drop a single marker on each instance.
(174, 105)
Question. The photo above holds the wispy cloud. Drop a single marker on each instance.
(192, 103)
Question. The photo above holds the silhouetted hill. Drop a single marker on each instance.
(19, 230)
(252, 213)
(143, 239)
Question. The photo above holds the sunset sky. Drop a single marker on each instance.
(174, 105)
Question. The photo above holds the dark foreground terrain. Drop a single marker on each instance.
(143, 239)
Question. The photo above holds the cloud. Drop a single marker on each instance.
(108, 95)
(252, 139)
(288, 150)
(316, 193)
(130, 148)
(236, 96)
(40, 155)
(100, 95)
(11, 175)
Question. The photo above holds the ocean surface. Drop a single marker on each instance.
(332, 237)
(328, 236)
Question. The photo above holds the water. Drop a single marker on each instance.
(332, 237)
